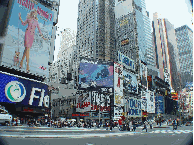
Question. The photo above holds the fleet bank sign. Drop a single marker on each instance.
(22, 91)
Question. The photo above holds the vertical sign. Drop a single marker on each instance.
(134, 105)
(118, 87)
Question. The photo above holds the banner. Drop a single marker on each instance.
(83, 101)
(28, 39)
(25, 92)
(143, 73)
(159, 104)
(100, 101)
(144, 101)
(130, 82)
(126, 61)
(150, 102)
(134, 105)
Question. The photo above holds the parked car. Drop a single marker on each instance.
(189, 123)
(5, 117)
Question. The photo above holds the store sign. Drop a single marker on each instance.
(134, 107)
(22, 91)
(126, 61)
(80, 115)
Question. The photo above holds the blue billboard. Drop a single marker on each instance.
(22, 91)
(97, 75)
(159, 104)
(28, 38)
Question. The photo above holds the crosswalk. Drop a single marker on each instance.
(172, 131)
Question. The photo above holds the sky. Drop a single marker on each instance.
(176, 11)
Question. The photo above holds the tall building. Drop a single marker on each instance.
(184, 38)
(66, 66)
(95, 29)
(132, 17)
(166, 51)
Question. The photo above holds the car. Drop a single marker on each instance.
(5, 117)
(189, 123)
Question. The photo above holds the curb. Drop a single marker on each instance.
(161, 127)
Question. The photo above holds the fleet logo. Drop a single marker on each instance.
(15, 91)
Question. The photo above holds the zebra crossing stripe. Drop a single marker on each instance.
(163, 131)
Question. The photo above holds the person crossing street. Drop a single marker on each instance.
(145, 127)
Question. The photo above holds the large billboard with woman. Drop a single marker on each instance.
(28, 38)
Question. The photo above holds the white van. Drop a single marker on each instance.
(5, 117)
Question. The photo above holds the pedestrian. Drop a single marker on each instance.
(145, 127)
(174, 124)
(111, 124)
(134, 125)
(150, 124)
(107, 125)
(120, 124)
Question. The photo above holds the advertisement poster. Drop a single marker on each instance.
(130, 82)
(134, 105)
(126, 61)
(22, 91)
(159, 104)
(99, 99)
(28, 39)
(144, 101)
(143, 73)
(83, 101)
(95, 75)
(150, 102)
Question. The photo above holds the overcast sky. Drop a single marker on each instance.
(176, 11)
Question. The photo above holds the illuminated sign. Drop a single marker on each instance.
(81, 115)
(97, 75)
(126, 61)
(125, 42)
(17, 90)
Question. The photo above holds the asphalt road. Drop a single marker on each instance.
(136, 139)
(82, 136)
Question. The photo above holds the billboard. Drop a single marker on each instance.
(118, 87)
(126, 61)
(28, 38)
(150, 102)
(144, 101)
(143, 74)
(96, 97)
(83, 101)
(134, 107)
(95, 75)
(23, 91)
(159, 104)
(130, 82)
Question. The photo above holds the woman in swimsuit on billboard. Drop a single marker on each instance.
(32, 22)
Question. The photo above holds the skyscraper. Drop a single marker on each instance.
(95, 29)
(166, 50)
(184, 38)
(133, 19)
